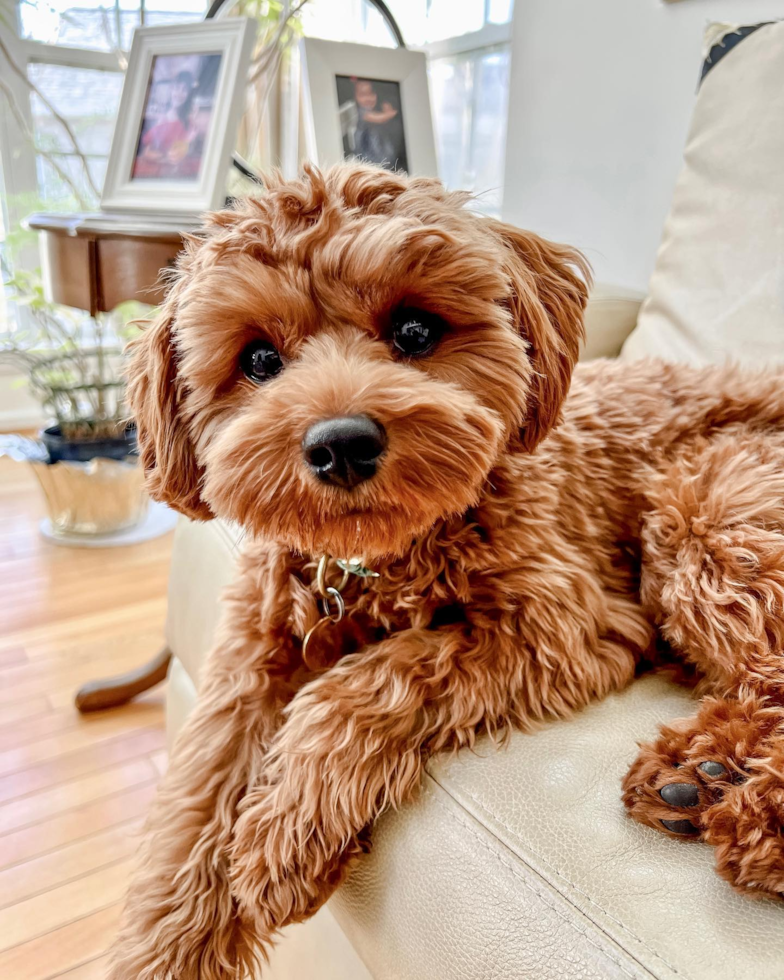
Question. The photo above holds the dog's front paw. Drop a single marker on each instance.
(677, 779)
(282, 872)
(669, 792)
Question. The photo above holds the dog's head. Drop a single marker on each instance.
(341, 362)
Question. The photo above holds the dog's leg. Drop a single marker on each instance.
(354, 743)
(180, 921)
(713, 560)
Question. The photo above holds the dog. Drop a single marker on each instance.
(356, 365)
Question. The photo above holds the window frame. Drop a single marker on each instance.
(489, 36)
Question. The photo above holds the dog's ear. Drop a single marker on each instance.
(550, 286)
(155, 397)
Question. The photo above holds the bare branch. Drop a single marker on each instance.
(22, 123)
(60, 119)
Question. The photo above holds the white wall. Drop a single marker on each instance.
(601, 96)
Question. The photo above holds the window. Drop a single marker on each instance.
(427, 21)
(346, 20)
(469, 91)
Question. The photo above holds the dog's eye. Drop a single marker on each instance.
(260, 361)
(415, 332)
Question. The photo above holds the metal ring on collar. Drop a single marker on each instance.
(339, 603)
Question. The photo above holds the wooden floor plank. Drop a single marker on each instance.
(34, 638)
(22, 709)
(94, 970)
(87, 652)
(141, 714)
(64, 592)
(160, 759)
(37, 807)
(72, 861)
(38, 726)
(74, 675)
(34, 917)
(91, 758)
(79, 824)
(12, 656)
(65, 606)
(91, 732)
(59, 951)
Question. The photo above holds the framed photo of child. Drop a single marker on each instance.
(178, 117)
(368, 103)
(371, 121)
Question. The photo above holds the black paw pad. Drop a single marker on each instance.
(681, 827)
(714, 769)
(680, 794)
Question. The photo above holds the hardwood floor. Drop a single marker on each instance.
(73, 790)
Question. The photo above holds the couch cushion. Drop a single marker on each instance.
(610, 317)
(717, 291)
(203, 561)
(180, 699)
(520, 862)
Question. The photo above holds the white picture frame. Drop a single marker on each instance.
(398, 71)
(144, 176)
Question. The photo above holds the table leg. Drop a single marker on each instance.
(113, 691)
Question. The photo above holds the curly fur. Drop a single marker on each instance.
(528, 552)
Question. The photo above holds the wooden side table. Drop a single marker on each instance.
(97, 261)
(94, 262)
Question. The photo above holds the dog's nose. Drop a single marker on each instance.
(344, 452)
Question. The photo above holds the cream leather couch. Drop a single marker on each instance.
(515, 863)
(520, 863)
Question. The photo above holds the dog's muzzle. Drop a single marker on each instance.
(344, 452)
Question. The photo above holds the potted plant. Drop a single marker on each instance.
(85, 459)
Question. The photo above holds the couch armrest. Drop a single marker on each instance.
(610, 317)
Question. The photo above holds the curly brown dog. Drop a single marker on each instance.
(356, 364)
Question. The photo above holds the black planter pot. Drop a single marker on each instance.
(83, 450)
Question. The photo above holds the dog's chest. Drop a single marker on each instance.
(424, 589)
(404, 595)
(428, 588)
